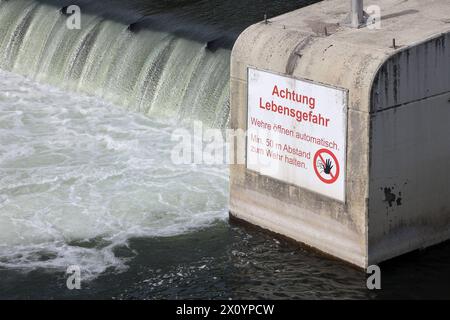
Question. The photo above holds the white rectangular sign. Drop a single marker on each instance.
(297, 132)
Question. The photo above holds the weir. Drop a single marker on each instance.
(384, 82)
(151, 71)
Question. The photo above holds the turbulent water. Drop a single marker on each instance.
(80, 177)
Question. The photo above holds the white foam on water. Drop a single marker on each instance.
(77, 170)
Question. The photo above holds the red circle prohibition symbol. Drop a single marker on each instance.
(318, 156)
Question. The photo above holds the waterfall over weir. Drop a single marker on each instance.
(79, 176)
(152, 72)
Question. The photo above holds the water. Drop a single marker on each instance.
(85, 171)
(79, 177)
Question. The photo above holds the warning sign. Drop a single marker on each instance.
(297, 132)
(327, 170)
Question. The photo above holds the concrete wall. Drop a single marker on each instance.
(297, 45)
(409, 204)
(330, 226)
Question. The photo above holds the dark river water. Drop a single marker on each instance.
(237, 262)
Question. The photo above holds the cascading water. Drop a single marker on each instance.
(79, 177)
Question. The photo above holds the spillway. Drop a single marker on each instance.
(153, 72)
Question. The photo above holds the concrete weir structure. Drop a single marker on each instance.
(396, 173)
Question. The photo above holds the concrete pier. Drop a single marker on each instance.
(383, 188)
